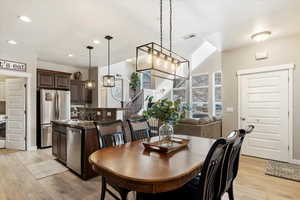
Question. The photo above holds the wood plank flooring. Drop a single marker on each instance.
(17, 183)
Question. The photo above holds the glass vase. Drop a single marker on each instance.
(166, 132)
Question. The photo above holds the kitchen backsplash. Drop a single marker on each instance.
(2, 108)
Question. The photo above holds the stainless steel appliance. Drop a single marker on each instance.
(54, 105)
(74, 149)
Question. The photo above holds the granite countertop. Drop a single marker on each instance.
(80, 124)
(103, 108)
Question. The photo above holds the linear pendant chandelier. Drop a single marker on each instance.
(90, 84)
(108, 80)
(161, 61)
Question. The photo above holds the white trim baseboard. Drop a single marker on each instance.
(33, 148)
(294, 161)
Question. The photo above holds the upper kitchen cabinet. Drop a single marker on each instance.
(79, 94)
(62, 81)
(53, 79)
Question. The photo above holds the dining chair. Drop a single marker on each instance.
(206, 186)
(111, 134)
(231, 162)
(139, 128)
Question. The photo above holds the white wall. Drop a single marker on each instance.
(19, 54)
(123, 68)
(281, 51)
(63, 68)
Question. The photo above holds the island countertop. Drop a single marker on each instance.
(79, 124)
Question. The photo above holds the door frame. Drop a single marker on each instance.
(290, 69)
(27, 76)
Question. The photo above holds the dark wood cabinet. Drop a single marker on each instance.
(79, 94)
(45, 79)
(62, 81)
(75, 93)
(89, 144)
(53, 80)
(63, 148)
(59, 142)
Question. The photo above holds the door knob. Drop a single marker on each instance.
(243, 119)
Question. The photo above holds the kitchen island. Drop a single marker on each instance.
(72, 143)
(74, 140)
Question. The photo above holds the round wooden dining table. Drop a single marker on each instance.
(138, 169)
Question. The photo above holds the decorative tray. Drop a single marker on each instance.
(167, 146)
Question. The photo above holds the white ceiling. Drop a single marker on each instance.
(60, 27)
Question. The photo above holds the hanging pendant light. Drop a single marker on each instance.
(108, 80)
(161, 61)
(90, 84)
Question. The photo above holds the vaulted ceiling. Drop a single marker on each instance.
(60, 27)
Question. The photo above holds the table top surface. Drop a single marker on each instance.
(132, 162)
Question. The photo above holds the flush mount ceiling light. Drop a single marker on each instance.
(70, 55)
(96, 41)
(90, 84)
(24, 18)
(108, 80)
(261, 36)
(161, 61)
(13, 42)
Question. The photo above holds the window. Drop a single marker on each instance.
(217, 94)
(200, 85)
(179, 90)
(146, 79)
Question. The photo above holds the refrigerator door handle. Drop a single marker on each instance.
(56, 115)
(58, 106)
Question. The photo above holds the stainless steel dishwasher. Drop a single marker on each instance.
(74, 149)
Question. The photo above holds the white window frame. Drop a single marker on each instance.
(214, 86)
(199, 87)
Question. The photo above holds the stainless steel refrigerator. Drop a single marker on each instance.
(54, 105)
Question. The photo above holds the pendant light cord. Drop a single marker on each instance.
(171, 26)
(161, 25)
(90, 57)
(108, 60)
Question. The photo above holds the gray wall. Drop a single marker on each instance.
(281, 51)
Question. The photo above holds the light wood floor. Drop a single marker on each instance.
(17, 183)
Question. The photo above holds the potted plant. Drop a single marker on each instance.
(166, 111)
(134, 82)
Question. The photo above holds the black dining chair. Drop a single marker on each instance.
(111, 134)
(206, 186)
(231, 163)
(139, 128)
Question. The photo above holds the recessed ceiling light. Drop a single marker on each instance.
(129, 60)
(96, 41)
(70, 55)
(12, 42)
(261, 36)
(24, 18)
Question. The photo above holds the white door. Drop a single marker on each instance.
(15, 111)
(264, 103)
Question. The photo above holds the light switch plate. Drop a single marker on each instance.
(229, 109)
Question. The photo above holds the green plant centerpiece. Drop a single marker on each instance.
(168, 112)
